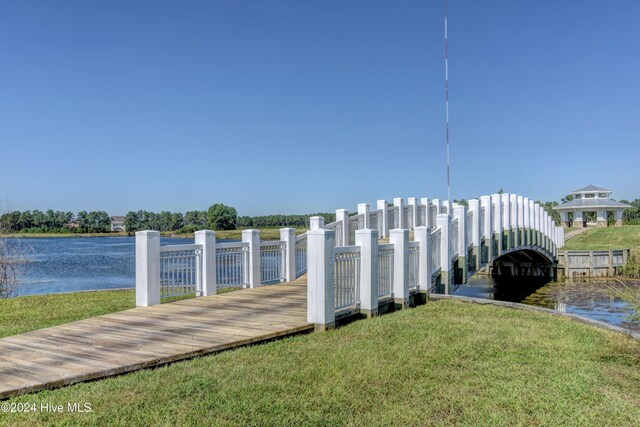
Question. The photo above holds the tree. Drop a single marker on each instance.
(566, 198)
(221, 217)
(554, 214)
(14, 256)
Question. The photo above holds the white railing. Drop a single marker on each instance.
(393, 217)
(301, 254)
(407, 218)
(365, 273)
(232, 264)
(356, 222)
(422, 215)
(468, 230)
(168, 272)
(375, 221)
(414, 264)
(433, 213)
(338, 227)
(180, 271)
(347, 276)
(435, 252)
(385, 269)
(272, 265)
(453, 238)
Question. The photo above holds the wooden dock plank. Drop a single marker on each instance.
(149, 336)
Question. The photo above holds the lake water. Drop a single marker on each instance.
(68, 264)
(595, 299)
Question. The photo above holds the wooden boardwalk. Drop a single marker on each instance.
(149, 336)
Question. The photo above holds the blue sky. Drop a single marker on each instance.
(304, 106)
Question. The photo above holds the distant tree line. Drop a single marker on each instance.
(55, 222)
(217, 217)
(631, 215)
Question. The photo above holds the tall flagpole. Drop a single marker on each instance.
(446, 74)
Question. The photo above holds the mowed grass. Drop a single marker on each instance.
(627, 236)
(28, 313)
(444, 363)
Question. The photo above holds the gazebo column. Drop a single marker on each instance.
(577, 219)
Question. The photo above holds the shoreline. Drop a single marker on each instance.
(266, 234)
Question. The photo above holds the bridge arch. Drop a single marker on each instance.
(523, 262)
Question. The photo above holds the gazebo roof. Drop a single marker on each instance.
(592, 203)
(591, 188)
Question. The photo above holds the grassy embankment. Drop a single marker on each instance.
(627, 236)
(443, 363)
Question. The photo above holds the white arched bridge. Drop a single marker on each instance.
(365, 261)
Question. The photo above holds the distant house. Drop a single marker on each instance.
(72, 225)
(591, 206)
(117, 223)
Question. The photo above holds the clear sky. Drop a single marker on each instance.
(296, 106)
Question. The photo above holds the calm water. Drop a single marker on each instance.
(596, 299)
(68, 264)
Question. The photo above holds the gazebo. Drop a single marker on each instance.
(591, 206)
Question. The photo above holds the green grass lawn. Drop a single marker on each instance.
(23, 314)
(28, 313)
(445, 363)
(627, 236)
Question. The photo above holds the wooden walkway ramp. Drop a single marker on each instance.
(149, 336)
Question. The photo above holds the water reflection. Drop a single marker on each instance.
(596, 299)
(68, 264)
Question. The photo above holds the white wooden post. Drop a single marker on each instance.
(253, 238)
(288, 236)
(474, 208)
(399, 203)
(316, 222)
(536, 222)
(497, 223)
(446, 207)
(413, 212)
(384, 217)
(460, 212)
(506, 219)
(424, 201)
(515, 228)
(363, 209)
(207, 239)
(487, 227)
(532, 222)
(526, 221)
(444, 223)
(147, 268)
(343, 215)
(520, 221)
(438, 204)
(400, 240)
(368, 241)
(422, 235)
(547, 230)
(321, 259)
